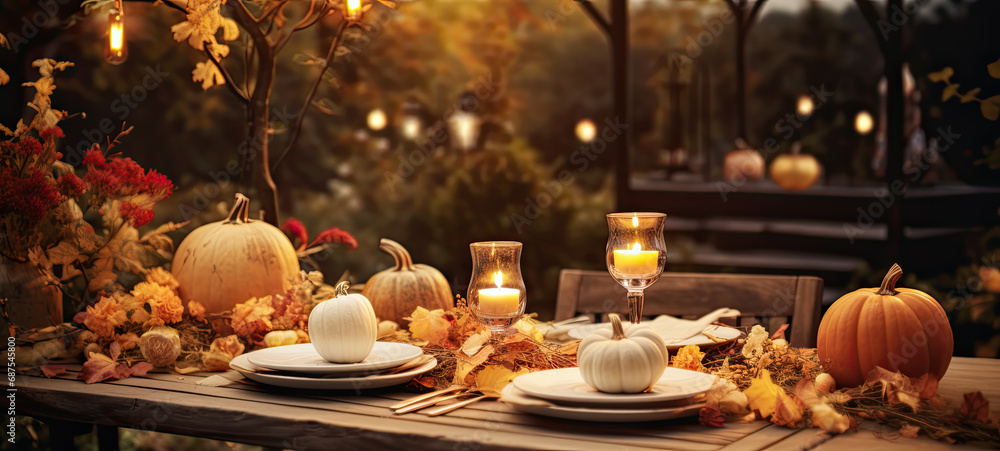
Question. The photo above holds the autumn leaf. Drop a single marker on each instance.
(942, 75)
(475, 342)
(763, 394)
(98, 367)
(710, 416)
(969, 96)
(949, 91)
(158, 240)
(4, 78)
(463, 367)
(208, 74)
(991, 108)
(52, 370)
(897, 388)
(994, 69)
(295, 230)
(64, 253)
(976, 407)
(492, 379)
(826, 418)
(221, 352)
(430, 325)
(788, 410)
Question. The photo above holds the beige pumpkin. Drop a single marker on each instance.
(795, 171)
(620, 361)
(343, 329)
(396, 292)
(743, 164)
(227, 262)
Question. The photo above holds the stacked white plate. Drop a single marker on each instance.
(562, 393)
(300, 366)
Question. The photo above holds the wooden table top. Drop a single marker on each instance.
(245, 412)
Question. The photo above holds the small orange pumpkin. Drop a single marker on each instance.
(396, 292)
(899, 329)
(743, 164)
(796, 171)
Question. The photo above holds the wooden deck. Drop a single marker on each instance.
(242, 411)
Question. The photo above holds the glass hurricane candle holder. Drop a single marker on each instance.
(636, 254)
(496, 292)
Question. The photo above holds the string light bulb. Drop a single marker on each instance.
(864, 122)
(585, 130)
(353, 8)
(115, 47)
(805, 106)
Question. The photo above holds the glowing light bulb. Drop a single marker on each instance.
(410, 127)
(805, 106)
(377, 119)
(353, 8)
(116, 47)
(863, 122)
(586, 131)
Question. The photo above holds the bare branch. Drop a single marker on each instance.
(297, 128)
(230, 82)
(595, 16)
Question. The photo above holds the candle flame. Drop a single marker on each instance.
(498, 279)
(636, 247)
(635, 220)
(353, 6)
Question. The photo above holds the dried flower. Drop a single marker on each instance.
(754, 344)
(221, 352)
(689, 358)
(28, 197)
(828, 419)
(430, 325)
(164, 305)
(102, 317)
(253, 318)
(296, 233)
(71, 186)
(196, 310)
(160, 276)
(49, 133)
(709, 416)
(138, 216)
(336, 235)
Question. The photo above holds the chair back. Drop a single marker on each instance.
(765, 299)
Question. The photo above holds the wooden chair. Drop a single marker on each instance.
(770, 300)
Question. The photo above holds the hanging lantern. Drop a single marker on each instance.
(464, 124)
(408, 120)
(115, 48)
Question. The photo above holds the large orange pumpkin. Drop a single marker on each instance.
(396, 292)
(899, 329)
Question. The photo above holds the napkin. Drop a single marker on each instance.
(558, 331)
(684, 329)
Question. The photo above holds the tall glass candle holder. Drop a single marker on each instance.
(496, 292)
(636, 254)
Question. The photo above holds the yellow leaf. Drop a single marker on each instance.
(763, 394)
(949, 91)
(230, 31)
(942, 75)
(475, 342)
(991, 108)
(182, 30)
(464, 367)
(429, 325)
(969, 96)
(207, 74)
(994, 69)
(4, 78)
(492, 379)
(527, 327)
(3, 41)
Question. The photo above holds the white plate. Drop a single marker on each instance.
(520, 401)
(721, 332)
(303, 358)
(567, 385)
(242, 364)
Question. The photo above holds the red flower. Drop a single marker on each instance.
(157, 185)
(71, 186)
(710, 416)
(295, 230)
(335, 235)
(138, 216)
(49, 133)
(30, 197)
(95, 158)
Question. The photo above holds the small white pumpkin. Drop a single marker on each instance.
(619, 361)
(343, 329)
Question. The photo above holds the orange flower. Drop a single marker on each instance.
(196, 310)
(103, 317)
(253, 318)
(161, 277)
(164, 305)
(689, 358)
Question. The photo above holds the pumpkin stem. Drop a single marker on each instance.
(796, 148)
(888, 287)
(398, 252)
(341, 288)
(241, 207)
(617, 331)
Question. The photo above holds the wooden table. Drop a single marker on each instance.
(250, 413)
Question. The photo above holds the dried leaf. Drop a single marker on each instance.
(430, 325)
(909, 430)
(221, 352)
(335, 235)
(991, 108)
(492, 379)
(949, 91)
(208, 74)
(969, 96)
(763, 394)
(994, 69)
(4, 78)
(710, 416)
(976, 407)
(825, 417)
(780, 333)
(788, 410)
(942, 75)
(100, 367)
(52, 370)
(475, 342)
(464, 367)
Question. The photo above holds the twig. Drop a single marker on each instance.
(312, 92)
(230, 82)
(595, 16)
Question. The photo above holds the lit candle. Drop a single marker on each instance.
(353, 6)
(499, 301)
(635, 261)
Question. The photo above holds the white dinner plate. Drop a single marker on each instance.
(521, 402)
(242, 364)
(567, 385)
(303, 358)
(721, 332)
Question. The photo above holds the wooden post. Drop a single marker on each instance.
(895, 105)
(621, 79)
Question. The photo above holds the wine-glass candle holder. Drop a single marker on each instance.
(636, 254)
(496, 292)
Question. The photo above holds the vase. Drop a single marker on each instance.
(29, 303)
